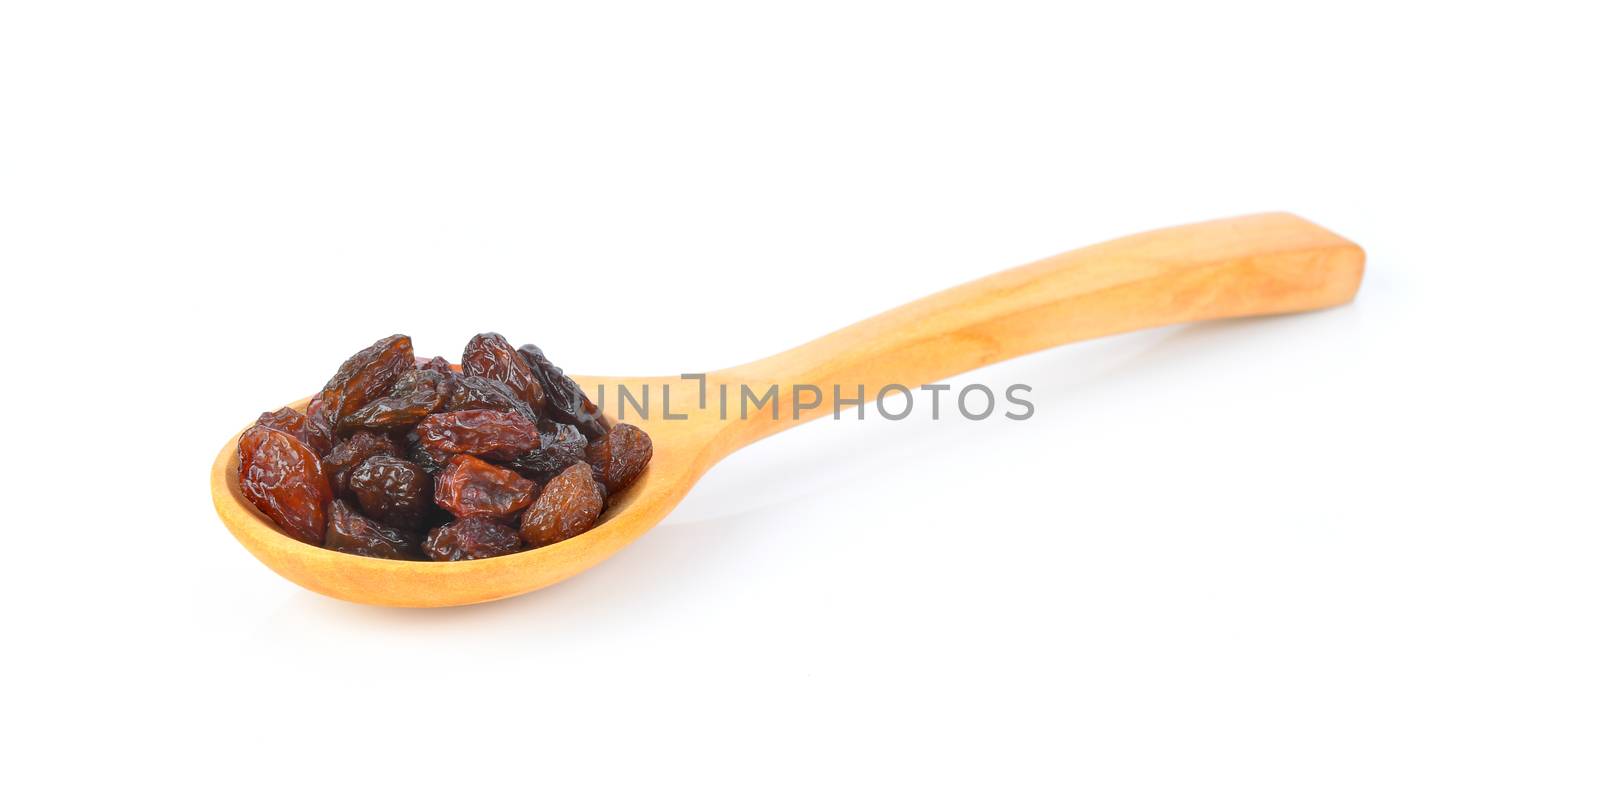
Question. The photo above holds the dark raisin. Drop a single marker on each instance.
(353, 533)
(560, 446)
(282, 477)
(296, 424)
(470, 539)
(620, 457)
(477, 392)
(319, 425)
(367, 375)
(350, 453)
(436, 364)
(497, 435)
(492, 357)
(566, 508)
(470, 487)
(416, 454)
(416, 394)
(564, 399)
(394, 491)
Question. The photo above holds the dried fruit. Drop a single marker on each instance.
(394, 491)
(416, 394)
(367, 375)
(470, 539)
(620, 457)
(296, 424)
(566, 508)
(283, 478)
(350, 453)
(491, 356)
(470, 487)
(473, 392)
(396, 448)
(564, 399)
(416, 454)
(559, 447)
(497, 435)
(353, 533)
(435, 364)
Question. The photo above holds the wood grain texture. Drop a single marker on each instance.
(1253, 265)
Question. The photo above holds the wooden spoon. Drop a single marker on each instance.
(1236, 267)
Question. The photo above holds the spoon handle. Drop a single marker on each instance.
(1271, 263)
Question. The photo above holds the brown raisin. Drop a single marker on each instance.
(282, 477)
(435, 364)
(491, 356)
(496, 435)
(560, 446)
(564, 399)
(566, 508)
(470, 487)
(367, 375)
(353, 533)
(296, 424)
(470, 539)
(349, 453)
(475, 391)
(620, 457)
(416, 394)
(416, 454)
(394, 491)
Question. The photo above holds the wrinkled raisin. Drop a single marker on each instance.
(394, 491)
(283, 478)
(435, 364)
(620, 457)
(496, 435)
(367, 376)
(396, 447)
(564, 399)
(491, 356)
(473, 392)
(416, 394)
(296, 424)
(470, 539)
(353, 533)
(470, 487)
(350, 453)
(559, 447)
(416, 454)
(566, 508)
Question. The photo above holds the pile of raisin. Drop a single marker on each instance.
(412, 459)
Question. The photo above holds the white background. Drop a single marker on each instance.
(1354, 550)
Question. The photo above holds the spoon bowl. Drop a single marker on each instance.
(1253, 265)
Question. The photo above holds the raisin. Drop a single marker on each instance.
(564, 399)
(475, 392)
(282, 477)
(350, 453)
(416, 394)
(435, 364)
(496, 435)
(416, 454)
(367, 376)
(296, 424)
(394, 491)
(491, 356)
(319, 425)
(470, 487)
(470, 539)
(353, 533)
(559, 447)
(620, 457)
(566, 508)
